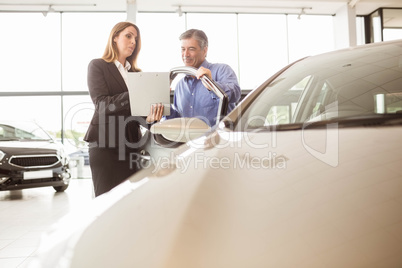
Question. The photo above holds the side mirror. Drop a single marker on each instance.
(181, 129)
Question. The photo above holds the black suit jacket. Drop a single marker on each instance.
(112, 123)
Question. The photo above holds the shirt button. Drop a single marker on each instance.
(191, 107)
(192, 94)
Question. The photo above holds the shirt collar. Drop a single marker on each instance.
(205, 64)
(126, 67)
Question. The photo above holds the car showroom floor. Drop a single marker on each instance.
(26, 214)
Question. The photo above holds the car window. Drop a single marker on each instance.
(365, 82)
(22, 131)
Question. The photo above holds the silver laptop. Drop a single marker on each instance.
(147, 88)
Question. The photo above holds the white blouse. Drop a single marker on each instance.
(123, 70)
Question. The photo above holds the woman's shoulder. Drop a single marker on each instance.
(98, 61)
(99, 64)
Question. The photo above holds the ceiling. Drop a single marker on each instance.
(323, 7)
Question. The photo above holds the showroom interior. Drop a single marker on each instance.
(47, 46)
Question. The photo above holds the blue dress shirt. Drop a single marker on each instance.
(193, 99)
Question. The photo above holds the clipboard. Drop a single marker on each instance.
(147, 88)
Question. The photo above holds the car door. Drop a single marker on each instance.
(164, 137)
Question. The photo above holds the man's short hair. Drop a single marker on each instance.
(198, 35)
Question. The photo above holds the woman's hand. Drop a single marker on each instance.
(156, 113)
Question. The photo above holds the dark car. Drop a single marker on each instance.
(30, 158)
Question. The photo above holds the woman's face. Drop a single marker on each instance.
(126, 42)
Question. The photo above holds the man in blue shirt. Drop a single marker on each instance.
(191, 97)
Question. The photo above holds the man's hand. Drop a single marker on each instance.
(156, 113)
(204, 71)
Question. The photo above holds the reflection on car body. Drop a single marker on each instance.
(304, 172)
(30, 158)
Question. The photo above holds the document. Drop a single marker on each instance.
(147, 88)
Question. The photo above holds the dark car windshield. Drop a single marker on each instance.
(22, 131)
(361, 82)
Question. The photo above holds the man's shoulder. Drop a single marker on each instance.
(215, 64)
(220, 67)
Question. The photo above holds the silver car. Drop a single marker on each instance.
(305, 172)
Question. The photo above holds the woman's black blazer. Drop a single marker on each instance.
(112, 123)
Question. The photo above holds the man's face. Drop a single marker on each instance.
(191, 53)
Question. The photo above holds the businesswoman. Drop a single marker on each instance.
(113, 135)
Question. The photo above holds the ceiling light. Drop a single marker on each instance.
(50, 9)
(302, 12)
(179, 11)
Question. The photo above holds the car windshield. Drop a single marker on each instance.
(354, 83)
(12, 131)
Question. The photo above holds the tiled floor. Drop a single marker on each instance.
(26, 214)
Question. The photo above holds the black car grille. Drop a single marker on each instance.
(30, 161)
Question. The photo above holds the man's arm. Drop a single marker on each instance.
(226, 79)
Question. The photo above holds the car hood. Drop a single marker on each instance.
(321, 198)
(15, 147)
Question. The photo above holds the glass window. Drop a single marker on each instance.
(387, 103)
(45, 110)
(78, 112)
(22, 130)
(392, 24)
(61, 45)
(30, 58)
(262, 47)
(310, 35)
(376, 35)
(360, 83)
(392, 34)
(160, 50)
(84, 38)
(360, 32)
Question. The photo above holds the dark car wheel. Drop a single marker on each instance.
(60, 188)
